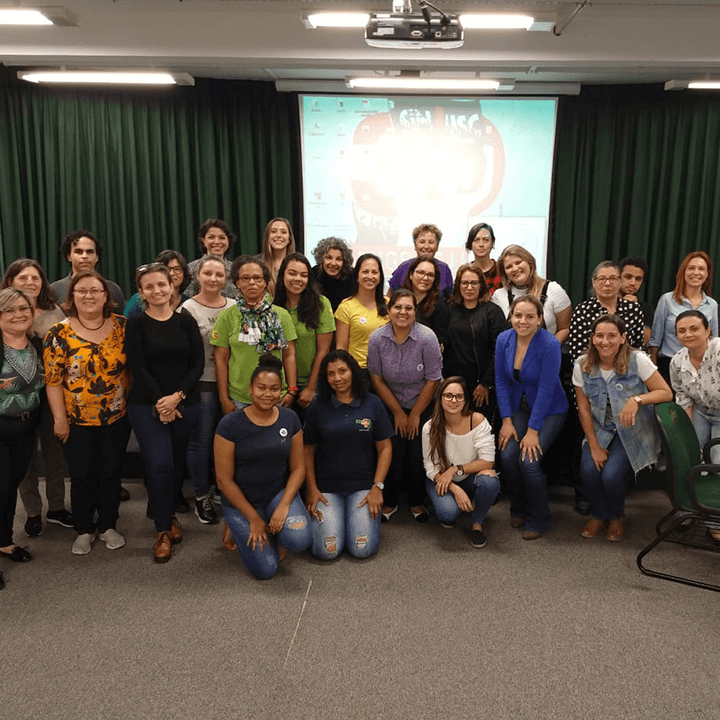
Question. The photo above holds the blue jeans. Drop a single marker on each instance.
(482, 491)
(295, 535)
(200, 442)
(156, 448)
(605, 488)
(527, 483)
(707, 426)
(342, 524)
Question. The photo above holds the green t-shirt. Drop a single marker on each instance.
(306, 343)
(243, 357)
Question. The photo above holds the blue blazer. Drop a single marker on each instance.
(539, 377)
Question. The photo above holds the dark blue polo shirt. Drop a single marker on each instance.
(344, 437)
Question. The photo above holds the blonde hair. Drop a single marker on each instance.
(535, 282)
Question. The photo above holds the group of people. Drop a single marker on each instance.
(310, 398)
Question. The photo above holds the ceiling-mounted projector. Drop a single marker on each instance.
(405, 29)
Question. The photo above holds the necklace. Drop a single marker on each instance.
(77, 317)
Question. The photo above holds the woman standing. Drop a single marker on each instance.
(166, 357)
(694, 372)
(205, 308)
(334, 270)
(87, 384)
(245, 331)
(27, 275)
(364, 311)
(214, 237)
(347, 456)
(473, 328)
(459, 454)
(532, 406)
(260, 467)
(405, 366)
(480, 241)
(423, 280)
(519, 278)
(313, 319)
(179, 275)
(278, 243)
(21, 382)
(693, 285)
(616, 387)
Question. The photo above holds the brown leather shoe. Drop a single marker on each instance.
(227, 539)
(616, 530)
(516, 521)
(163, 548)
(531, 535)
(592, 528)
(176, 531)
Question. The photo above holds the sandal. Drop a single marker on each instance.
(227, 539)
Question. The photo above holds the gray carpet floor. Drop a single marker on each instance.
(560, 627)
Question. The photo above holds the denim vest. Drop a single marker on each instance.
(641, 440)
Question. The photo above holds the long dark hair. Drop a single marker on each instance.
(380, 304)
(438, 423)
(427, 306)
(309, 305)
(359, 386)
(46, 298)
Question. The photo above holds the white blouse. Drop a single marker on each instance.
(700, 386)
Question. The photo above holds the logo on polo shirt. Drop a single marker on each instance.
(365, 423)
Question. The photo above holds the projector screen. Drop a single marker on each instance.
(376, 167)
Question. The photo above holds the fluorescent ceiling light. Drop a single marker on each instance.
(495, 21)
(23, 17)
(105, 77)
(419, 83)
(336, 20)
(704, 85)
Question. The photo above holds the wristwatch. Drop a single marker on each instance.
(459, 470)
(638, 400)
(380, 485)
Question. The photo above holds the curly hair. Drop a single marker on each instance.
(217, 223)
(425, 227)
(71, 239)
(334, 243)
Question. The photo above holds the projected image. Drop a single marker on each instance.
(374, 168)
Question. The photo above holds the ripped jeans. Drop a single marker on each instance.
(342, 524)
(295, 535)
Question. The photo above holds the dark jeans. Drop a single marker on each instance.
(94, 454)
(606, 488)
(407, 467)
(157, 443)
(17, 441)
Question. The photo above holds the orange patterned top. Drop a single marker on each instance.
(93, 377)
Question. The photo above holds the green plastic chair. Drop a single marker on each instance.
(693, 487)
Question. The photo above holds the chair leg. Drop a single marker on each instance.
(675, 523)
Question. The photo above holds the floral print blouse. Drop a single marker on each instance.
(93, 377)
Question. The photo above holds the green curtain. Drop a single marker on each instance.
(637, 172)
(142, 169)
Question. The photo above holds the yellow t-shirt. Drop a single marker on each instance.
(362, 322)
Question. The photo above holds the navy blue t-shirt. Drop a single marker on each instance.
(344, 437)
(261, 453)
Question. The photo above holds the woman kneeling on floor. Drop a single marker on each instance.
(615, 387)
(459, 452)
(260, 467)
(347, 456)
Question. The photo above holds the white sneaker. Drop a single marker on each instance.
(83, 544)
(112, 539)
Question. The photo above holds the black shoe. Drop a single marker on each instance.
(17, 554)
(61, 517)
(477, 538)
(205, 511)
(33, 526)
(124, 494)
(181, 505)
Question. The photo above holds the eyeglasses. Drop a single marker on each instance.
(93, 292)
(607, 280)
(13, 311)
(175, 270)
(423, 274)
(451, 397)
(252, 278)
(470, 283)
